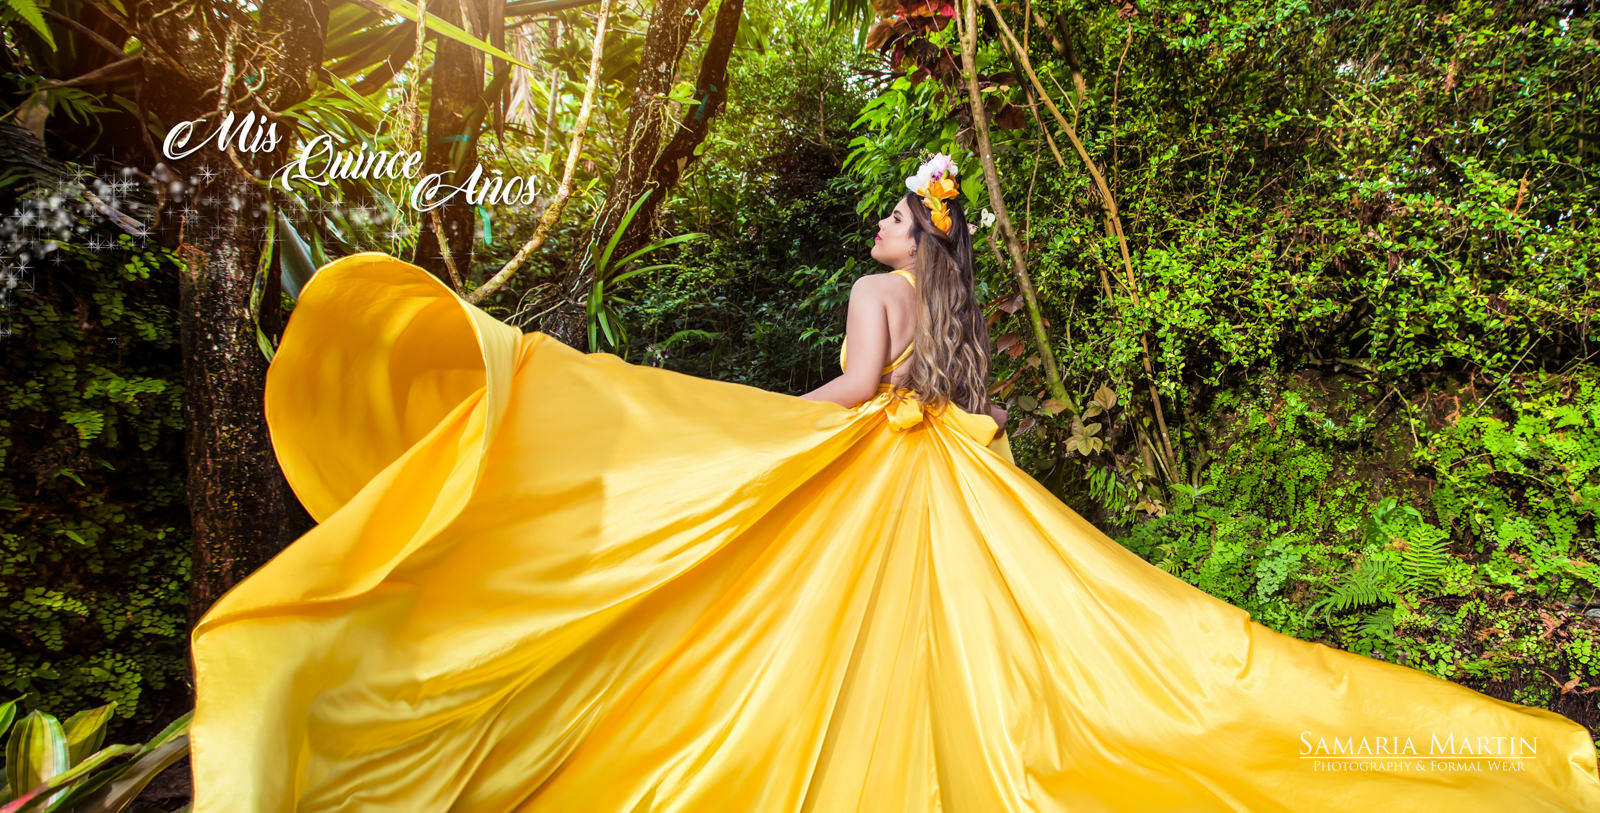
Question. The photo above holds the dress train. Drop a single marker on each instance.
(551, 580)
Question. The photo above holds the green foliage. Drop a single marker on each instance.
(1296, 522)
(1390, 199)
(52, 765)
(761, 300)
(601, 306)
(1368, 583)
(94, 558)
(1240, 556)
(1526, 482)
(28, 12)
(1403, 238)
(899, 140)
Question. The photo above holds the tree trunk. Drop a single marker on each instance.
(647, 167)
(243, 511)
(457, 84)
(711, 88)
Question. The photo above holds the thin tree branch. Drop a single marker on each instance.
(552, 213)
(967, 34)
(1113, 218)
(84, 30)
(108, 72)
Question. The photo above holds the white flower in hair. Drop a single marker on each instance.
(939, 166)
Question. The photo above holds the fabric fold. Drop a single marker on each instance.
(552, 580)
(375, 359)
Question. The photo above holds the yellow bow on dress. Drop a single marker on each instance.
(907, 411)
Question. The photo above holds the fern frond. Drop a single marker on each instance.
(1379, 623)
(1424, 557)
(1367, 584)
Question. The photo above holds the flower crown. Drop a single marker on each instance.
(935, 183)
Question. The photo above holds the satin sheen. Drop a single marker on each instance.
(548, 580)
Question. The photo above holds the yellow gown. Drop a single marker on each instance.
(899, 412)
(548, 580)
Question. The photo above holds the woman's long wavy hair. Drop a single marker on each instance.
(950, 359)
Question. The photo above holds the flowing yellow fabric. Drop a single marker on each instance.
(548, 580)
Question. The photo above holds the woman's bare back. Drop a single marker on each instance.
(900, 304)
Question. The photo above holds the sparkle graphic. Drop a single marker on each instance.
(66, 212)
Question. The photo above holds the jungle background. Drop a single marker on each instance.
(1294, 299)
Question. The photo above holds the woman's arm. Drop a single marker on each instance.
(867, 333)
(999, 414)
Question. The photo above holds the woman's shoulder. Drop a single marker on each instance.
(873, 278)
(880, 282)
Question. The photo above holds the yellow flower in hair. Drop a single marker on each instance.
(935, 195)
(935, 183)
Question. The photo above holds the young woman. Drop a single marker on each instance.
(552, 580)
(926, 301)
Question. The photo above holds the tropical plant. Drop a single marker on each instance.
(61, 766)
(600, 306)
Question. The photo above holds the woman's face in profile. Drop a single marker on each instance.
(892, 246)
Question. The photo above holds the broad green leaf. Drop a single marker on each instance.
(409, 11)
(36, 751)
(635, 271)
(605, 256)
(679, 238)
(350, 93)
(85, 731)
(120, 791)
(294, 260)
(258, 288)
(80, 771)
(8, 712)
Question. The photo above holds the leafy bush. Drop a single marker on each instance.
(53, 765)
(94, 560)
(1455, 536)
